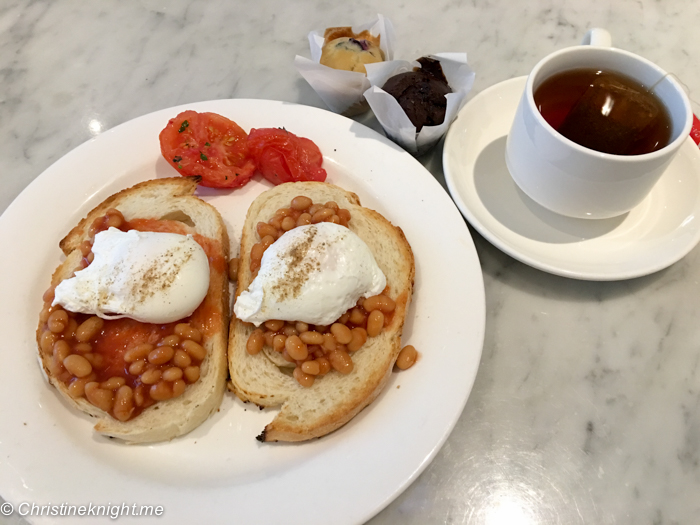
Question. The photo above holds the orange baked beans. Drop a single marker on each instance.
(121, 366)
(315, 350)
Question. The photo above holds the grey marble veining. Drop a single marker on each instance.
(586, 405)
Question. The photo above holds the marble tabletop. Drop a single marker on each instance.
(586, 406)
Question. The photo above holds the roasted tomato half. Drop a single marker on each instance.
(208, 145)
(281, 156)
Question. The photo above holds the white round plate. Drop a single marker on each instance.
(654, 235)
(218, 473)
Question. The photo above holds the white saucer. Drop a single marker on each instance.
(654, 235)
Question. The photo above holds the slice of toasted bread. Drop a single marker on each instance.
(158, 199)
(333, 399)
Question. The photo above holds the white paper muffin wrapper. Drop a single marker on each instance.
(393, 118)
(342, 91)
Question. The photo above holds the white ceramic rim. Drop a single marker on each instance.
(48, 451)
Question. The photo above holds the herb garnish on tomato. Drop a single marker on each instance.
(227, 163)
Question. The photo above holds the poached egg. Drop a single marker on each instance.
(152, 277)
(313, 274)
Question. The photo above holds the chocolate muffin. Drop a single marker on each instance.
(421, 93)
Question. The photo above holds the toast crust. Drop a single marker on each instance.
(333, 399)
(155, 199)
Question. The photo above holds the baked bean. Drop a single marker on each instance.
(287, 357)
(85, 248)
(321, 329)
(256, 253)
(113, 383)
(274, 325)
(61, 350)
(169, 340)
(48, 338)
(88, 329)
(296, 349)
(77, 365)
(233, 268)
(357, 316)
(278, 342)
(375, 323)
(82, 348)
(332, 205)
(76, 388)
(113, 219)
(269, 336)
(57, 321)
(161, 391)
(321, 215)
(283, 212)
(407, 357)
(151, 376)
(123, 403)
(95, 226)
(301, 203)
(139, 397)
(304, 219)
(314, 208)
(172, 374)
(301, 326)
(324, 366)
(310, 367)
(379, 302)
(276, 223)
(288, 223)
(71, 327)
(137, 367)
(317, 351)
(267, 241)
(341, 361)
(289, 330)
(181, 358)
(187, 331)
(329, 342)
(342, 333)
(344, 215)
(179, 387)
(161, 355)
(305, 380)
(311, 338)
(103, 399)
(138, 352)
(344, 318)
(90, 257)
(49, 294)
(359, 337)
(195, 350)
(96, 360)
(192, 373)
(334, 219)
(265, 229)
(256, 340)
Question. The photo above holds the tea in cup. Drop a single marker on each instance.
(595, 129)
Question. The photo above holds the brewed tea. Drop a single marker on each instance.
(604, 111)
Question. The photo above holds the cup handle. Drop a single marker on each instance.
(597, 37)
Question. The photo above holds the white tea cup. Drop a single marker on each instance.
(576, 181)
